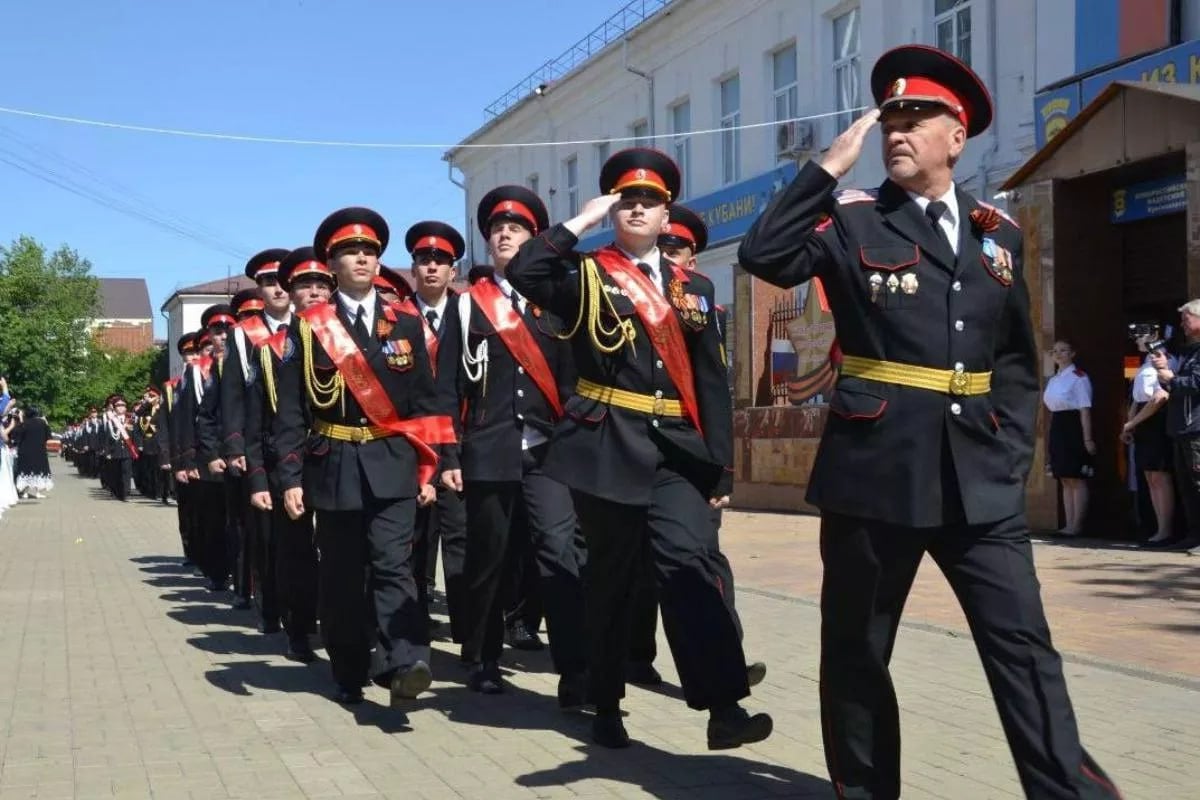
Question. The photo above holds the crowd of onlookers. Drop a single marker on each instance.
(1162, 429)
(24, 464)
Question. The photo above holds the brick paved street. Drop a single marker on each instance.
(121, 677)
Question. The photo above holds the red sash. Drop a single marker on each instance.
(517, 338)
(370, 394)
(275, 342)
(255, 329)
(660, 321)
(205, 364)
(431, 340)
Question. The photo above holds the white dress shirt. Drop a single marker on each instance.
(273, 324)
(654, 259)
(1068, 390)
(368, 305)
(439, 309)
(510, 292)
(949, 219)
(530, 437)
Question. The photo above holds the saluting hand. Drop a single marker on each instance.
(847, 147)
(293, 502)
(593, 213)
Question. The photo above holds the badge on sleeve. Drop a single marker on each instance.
(398, 353)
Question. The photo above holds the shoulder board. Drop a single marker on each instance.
(999, 211)
(1080, 373)
(848, 196)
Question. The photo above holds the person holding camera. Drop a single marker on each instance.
(1182, 382)
(1146, 429)
(1068, 396)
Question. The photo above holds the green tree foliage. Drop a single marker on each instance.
(47, 301)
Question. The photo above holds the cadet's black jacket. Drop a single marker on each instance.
(187, 451)
(261, 456)
(208, 413)
(887, 450)
(331, 471)
(232, 397)
(612, 452)
(489, 415)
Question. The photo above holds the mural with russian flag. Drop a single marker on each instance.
(803, 349)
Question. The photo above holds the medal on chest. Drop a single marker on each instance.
(997, 261)
(398, 354)
(692, 308)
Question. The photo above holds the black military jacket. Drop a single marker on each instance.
(490, 414)
(193, 438)
(613, 452)
(908, 456)
(261, 456)
(338, 475)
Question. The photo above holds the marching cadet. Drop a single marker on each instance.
(931, 427)
(445, 521)
(119, 449)
(308, 282)
(217, 549)
(185, 345)
(149, 444)
(356, 431)
(502, 365)
(89, 443)
(646, 442)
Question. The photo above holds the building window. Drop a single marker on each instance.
(786, 96)
(952, 27)
(845, 67)
(571, 179)
(731, 138)
(641, 133)
(681, 143)
(534, 184)
(603, 149)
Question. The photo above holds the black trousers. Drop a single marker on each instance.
(1187, 476)
(675, 534)
(499, 515)
(259, 530)
(869, 569)
(238, 535)
(183, 512)
(523, 597)
(208, 510)
(295, 569)
(444, 523)
(643, 631)
(377, 540)
(120, 476)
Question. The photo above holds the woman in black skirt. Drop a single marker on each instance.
(1147, 429)
(33, 465)
(1068, 396)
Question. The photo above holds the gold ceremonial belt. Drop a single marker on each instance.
(350, 433)
(946, 381)
(645, 403)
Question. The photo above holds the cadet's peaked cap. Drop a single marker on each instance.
(219, 314)
(434, 235)
(640, 168)
(919, 75)
(265, 263)
(389, 279)
(246, 301)
(684, 229)
(354, 224)
(186, 343)
(513, 204)
(303, 262)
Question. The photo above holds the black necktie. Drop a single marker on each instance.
(360, 325)
(431, 317)
(646, 269)
(282, 327)
(934, 212)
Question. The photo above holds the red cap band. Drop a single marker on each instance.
(433, 243)
(643, 178)
(309, 268)
(269, 268)
(221, 319)
(919, 88)
(514, 207)
(251, 304)
(682, 231)
(350, 232)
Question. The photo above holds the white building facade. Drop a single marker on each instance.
(696, 65)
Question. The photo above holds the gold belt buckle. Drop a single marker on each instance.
(358, 435)
(660, 407)
(960, 382)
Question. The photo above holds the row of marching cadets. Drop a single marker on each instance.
(120, 446)
(561, 431)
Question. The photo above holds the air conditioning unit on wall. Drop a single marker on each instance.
(795, 139)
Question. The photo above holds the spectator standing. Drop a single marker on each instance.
(1068, 396)
(1146, 428)
(1183, 423)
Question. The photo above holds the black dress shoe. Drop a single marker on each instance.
(755, 673)
(408, 683)
(271, 626)
(348, 696)
(1155, 544)
(734, 726)
(609, 731)
(520, 637)
(572, 691)
(642, 673)
(485, 678)
(216, 585)
(300, 650)
(242, 604)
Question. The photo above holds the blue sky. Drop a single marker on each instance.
(346, 70)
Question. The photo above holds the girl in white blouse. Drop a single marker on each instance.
(1147, 430)
(1068, 396)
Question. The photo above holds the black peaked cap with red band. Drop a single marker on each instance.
(512, 204)
(434, 235)
(389, 279)
(684, 229)
(354, 224)
(640, 168)
(300, 263)
(219, 314)
(186, 343)
(247, 300)
(265, 263)
(916, 75)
